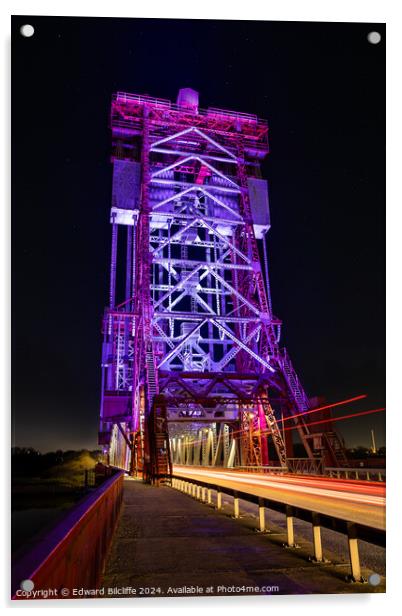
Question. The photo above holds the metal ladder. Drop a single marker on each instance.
(152, 378)
(332, 440)
(275, 433)
(293, 382)
(336, 448)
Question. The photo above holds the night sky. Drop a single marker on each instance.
(321, 87)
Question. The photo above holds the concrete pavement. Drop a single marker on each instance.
(168, 544)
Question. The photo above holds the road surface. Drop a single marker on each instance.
(362, 502)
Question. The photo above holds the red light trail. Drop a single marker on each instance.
(321, 421)
(355, 501)
(322, 408)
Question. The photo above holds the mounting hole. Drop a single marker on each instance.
(374, 37)
(27, 30)
(374, 579)
(27, 585)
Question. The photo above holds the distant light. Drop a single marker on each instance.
(27, 30)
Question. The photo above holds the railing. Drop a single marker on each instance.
(255, 130)
(202, 491)
(142, 98)
(306, 466)
(271, 470)
(369, 474)
(89, 478)
(72, 554)
(124, 97)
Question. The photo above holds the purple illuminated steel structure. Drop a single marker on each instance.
(192, 370)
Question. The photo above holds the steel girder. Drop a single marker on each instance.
(196, 324)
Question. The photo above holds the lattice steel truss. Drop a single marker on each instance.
(194, 341)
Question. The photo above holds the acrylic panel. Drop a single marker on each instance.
(198, 308)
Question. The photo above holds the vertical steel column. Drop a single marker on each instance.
(317, 538)
(129, 264)
(134, 256)
(289, 527)
(354, 553)
(261, 514)
(266, 272)
(112, 291)
(236, 505)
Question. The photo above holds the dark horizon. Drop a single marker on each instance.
(321, 87)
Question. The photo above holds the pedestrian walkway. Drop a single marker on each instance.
(168, 544)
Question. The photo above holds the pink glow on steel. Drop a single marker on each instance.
(189, 211)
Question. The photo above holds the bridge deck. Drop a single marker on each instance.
(166, 540)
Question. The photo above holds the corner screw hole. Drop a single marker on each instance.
(27, 30)
(374, 38)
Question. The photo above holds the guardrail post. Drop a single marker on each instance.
(368, 476)
(198, 492)
(261, 514)
(193, 490)
(379, 477)
(203, 494)
(219, 499)
(317, 538)
(209, 496)
(236, 505)
(289, 527)
(354, 553)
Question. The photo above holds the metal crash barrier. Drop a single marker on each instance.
(202, 491)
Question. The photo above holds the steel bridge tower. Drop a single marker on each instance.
(192, 369)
